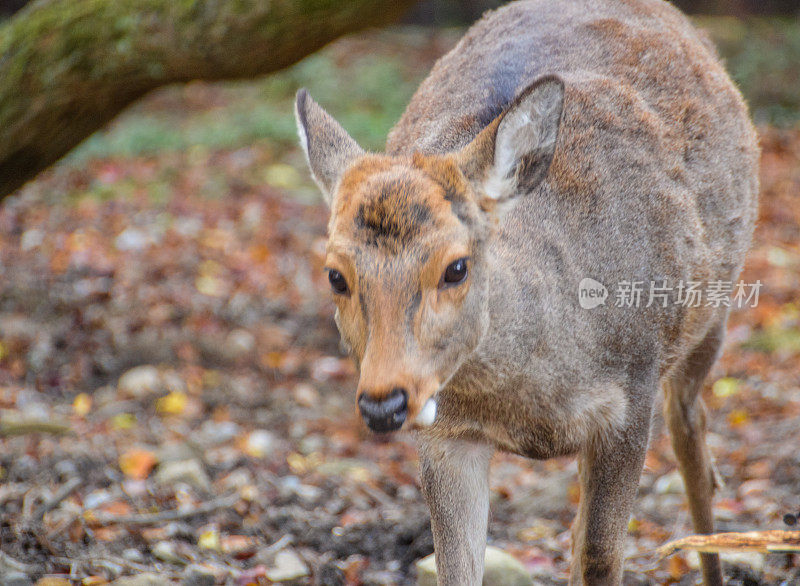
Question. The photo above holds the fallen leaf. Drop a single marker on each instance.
(759, 541)
(172, 404)
(82, 405)
(137, 463)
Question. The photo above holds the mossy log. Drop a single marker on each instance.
(67, 67)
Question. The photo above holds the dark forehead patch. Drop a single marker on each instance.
(393, 216)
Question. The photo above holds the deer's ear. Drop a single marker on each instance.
(328, 148)
(513, 153)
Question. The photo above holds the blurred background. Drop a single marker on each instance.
(173, 398)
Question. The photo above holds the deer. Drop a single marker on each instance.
(558, 140)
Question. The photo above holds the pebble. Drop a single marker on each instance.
(14, 579)
(214, 433)
(167, 552)
(240, 342)
(31, 239)
(752, 560)
(133, 555)
(96, 498)
(131, 239)
(287, 566)
(260, 443)
(238, 479)
(312, 443)
(175, 452)
(189, 472)
(306, 395)
(144, 579)
(380, 578)
(671, 483)
(501, 569)
(197, 575)
(308, 493)
(140, 382)
(53, 581)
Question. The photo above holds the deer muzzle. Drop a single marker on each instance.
(386, 413)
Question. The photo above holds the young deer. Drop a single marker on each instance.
(559, 140)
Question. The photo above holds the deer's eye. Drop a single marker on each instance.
(337, 281)
(454, 274)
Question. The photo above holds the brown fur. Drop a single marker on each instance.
(557, 141)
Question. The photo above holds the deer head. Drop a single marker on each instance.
(408, 253)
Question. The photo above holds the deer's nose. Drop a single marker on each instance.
(385, 414)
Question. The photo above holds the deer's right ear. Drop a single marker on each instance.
(329, 149)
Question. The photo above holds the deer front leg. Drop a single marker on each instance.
(609, 476)
(455, 482)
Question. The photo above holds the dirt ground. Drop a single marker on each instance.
(173, 397)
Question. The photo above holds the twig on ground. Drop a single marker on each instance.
(16, 565)
(283, 542)
(25, 427)
(66, 489)
(171, 515)
(376, 494)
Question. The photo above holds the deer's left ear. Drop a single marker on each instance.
(513, 153)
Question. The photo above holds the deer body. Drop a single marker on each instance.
(557, 141)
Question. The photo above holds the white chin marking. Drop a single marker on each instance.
(428, 413)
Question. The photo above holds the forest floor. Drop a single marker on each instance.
(173, 398)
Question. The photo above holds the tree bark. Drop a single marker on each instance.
(69, 66)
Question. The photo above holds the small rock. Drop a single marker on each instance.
(189, 472)
(140, 382)
(328, 367)
(15, 579)
(238, 479)
(380, 578)
(166, 551)
(752, 560)
(312, 443)
(308, 493)
(53, 581)
(501, 569)
(260, 443)
(197, 575)
(214, 433)
(240, 343)
(306, 395)
(671, 483)
(133, 555)
(31, 239)
(754, 487)
(287, 566)
(32, 404)
(96, 498)
(131, 239)
(66, 469)
(175, 452)
(144, 579)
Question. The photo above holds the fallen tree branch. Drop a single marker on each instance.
(756, 541)
(10, 428)
(69, 66)
(66, 489)
(6, 561)
(162, 517)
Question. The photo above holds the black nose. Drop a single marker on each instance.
(387, 414)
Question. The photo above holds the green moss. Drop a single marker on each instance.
(368, 96)
(763, 57)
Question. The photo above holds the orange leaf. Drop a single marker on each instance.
(137, 463)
